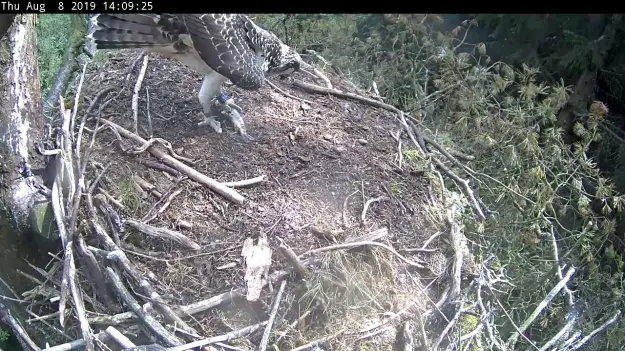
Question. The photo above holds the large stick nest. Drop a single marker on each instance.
(151, 238)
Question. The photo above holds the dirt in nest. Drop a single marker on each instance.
(313, 156)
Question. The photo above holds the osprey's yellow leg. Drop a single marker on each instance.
(211, 87)
(212, 99)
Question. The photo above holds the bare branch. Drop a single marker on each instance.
(135, 94)
(272, 317)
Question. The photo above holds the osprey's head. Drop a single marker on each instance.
(287, 62)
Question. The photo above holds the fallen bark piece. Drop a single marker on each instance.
(212, 184)
(257, 261)
(163, 233)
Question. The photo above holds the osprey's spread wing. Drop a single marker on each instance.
(224, 41)
(230, 44)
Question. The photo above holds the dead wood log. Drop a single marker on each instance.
(212, 184)
(163, 233)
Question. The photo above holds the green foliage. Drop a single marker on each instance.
(538, 187)
(558, 43)
(52, 38)
(4, 333)
(54, 33)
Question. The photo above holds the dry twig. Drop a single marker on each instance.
(118, 255)
(287, 94)
(221, 338)
(187, 310)
(166, 144)
(314, 343)
(363, 243)
(363, 216)
(418, 139)
(245, 182)
(135, 94)
(291, 256)
(272, 317)
(7, 318)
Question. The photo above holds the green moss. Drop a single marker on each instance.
(42, 220)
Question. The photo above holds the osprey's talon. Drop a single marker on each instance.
(211, 121)
(231, 103)
(239, 125)
(247, 138)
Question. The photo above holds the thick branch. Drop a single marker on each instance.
(214, 185)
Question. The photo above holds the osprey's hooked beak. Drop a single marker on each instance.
(290, 62)
(290, 69)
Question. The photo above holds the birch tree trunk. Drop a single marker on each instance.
(21, 123)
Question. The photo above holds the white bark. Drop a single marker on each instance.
(21, 121)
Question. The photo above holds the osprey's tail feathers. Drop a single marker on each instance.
(127, 31)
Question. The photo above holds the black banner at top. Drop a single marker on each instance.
(133, 6)
(68, 6)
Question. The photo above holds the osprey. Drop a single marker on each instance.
(220, 46)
